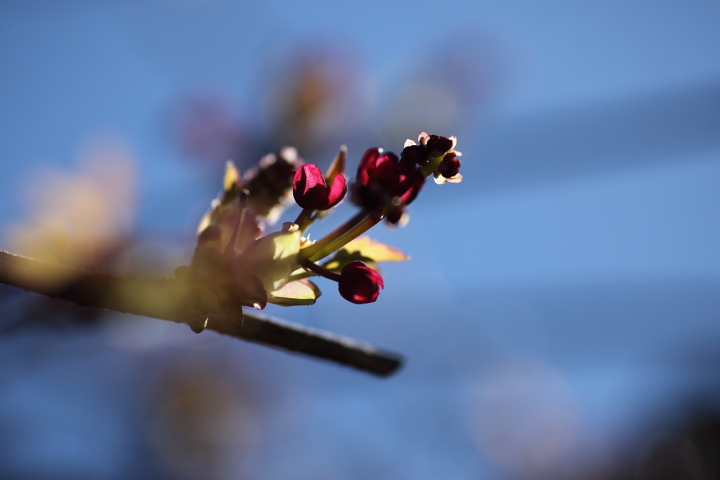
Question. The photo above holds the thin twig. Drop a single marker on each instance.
(163, 299)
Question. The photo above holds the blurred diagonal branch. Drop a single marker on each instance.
(164, 298)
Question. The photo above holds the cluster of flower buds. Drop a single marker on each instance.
(311, 191)
(435, 155)
(387, 182)
(236, 265)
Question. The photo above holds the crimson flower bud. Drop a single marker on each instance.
(378, 168)
(359, 283)
(415, 154)
(382, 177)
(450, 166)
(437, 145)
(311, 191)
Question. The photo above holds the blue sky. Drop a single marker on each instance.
(583, 244)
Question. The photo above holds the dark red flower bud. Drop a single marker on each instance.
(379, 170)
(311, 191)
(437, 145)
(359, 283)
(383, 177)
(416, 154)
(450, 166)
(367, 164)
(410, 182)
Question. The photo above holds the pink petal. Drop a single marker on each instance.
(337, 191)
(367, 163)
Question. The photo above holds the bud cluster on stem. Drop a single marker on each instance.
(276, 268)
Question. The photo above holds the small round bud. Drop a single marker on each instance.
(311, 191)
(359, 283)
(437, 145)
(450, 166)
(416, 154)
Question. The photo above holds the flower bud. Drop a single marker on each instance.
(311, 191)
(437, 145)
(415, 154)
(383, 177)
(359, 283)
(450, 166)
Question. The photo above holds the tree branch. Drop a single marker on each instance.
(164, 298)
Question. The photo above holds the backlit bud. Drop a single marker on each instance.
(450, 166)
(416, 154)
(359, 283)
(311, 191)
(437, 145)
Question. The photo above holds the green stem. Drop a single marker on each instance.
(339, 242)
(303, 218)
(320, 245)
(311, 220)
(432, 166)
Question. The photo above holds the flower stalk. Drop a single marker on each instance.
(334, 244)
(304, 219)
(321, 271)
(321, 248)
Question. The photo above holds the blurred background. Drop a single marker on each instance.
(560, 312)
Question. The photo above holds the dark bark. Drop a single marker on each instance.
(166, 299)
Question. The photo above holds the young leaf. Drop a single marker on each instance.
(299, 292)
(273, 257)
(366, 250)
